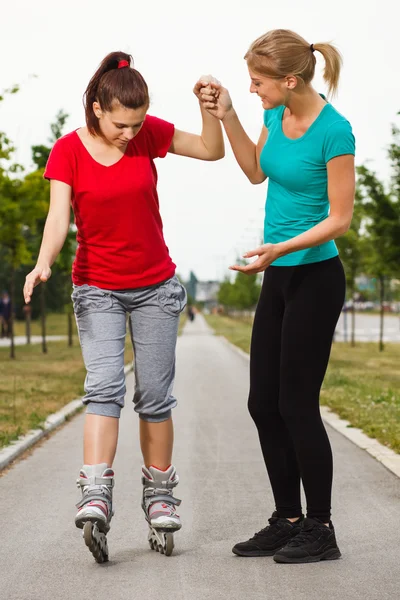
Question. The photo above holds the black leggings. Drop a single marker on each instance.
(291, 342)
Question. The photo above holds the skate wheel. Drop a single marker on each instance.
(87, 533)
(169, 544)
(96, 541)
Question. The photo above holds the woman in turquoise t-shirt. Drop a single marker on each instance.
(306, 149)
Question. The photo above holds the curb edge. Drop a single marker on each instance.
(386, 456)
(18, 447)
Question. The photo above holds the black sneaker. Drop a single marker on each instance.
(315, 542)
(270, 539)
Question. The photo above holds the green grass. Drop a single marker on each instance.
(237, 331)
(182, 322)
(56, 324)
(35, 385)
(362, 385)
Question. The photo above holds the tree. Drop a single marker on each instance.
(35, 191)
(12, 236)
(242, 294)
(382, 231)
(13, 242)
(350, 247)
(40, 155)
(226, 294)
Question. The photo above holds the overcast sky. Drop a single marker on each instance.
(211, 212)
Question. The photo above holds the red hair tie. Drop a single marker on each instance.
(122, 64)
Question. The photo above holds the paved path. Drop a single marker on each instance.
(226, 498)
(20, 340)
(367, 328)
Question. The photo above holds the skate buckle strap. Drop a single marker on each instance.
(166, 485)
(159, 497)
(90, 481)
(90, 496)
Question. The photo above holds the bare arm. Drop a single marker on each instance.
(54, 234)
(341, 187)
(218, 102)
(246, 152)
(207, 146)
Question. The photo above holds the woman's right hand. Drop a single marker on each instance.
(219, 104)
(38, 275)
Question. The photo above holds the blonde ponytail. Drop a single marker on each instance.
(333, 65)
(282, 52)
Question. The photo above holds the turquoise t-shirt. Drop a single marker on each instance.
(297, 197)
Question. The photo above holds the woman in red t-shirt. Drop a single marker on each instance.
(122, 267)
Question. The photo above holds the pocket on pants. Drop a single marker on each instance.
(172, 297)
(88, 298)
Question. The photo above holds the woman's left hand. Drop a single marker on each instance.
(204, 88)
(267, 254)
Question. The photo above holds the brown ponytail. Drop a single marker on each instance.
(282, 52)
(110, 85)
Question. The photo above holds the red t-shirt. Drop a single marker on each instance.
(120, 231)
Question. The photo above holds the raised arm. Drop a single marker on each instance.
(54, 234)
(246, 152)
(209, 145)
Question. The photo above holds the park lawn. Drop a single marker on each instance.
(362, 385)
(182, 322)
(35, 385)
(56, 324)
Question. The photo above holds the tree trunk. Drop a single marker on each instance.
(12, 301)
(353, 317)
(382, 299)
(69, 315)
(28, 324)
(43, 316)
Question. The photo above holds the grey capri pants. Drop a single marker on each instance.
(101, 319)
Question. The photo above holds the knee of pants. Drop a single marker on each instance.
(105, 392)
(254, 408)
(154, 403)
(260, 410)
(296, 407)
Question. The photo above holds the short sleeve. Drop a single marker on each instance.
(60, 164)
(339, 140)
(159, 135)
(273, 116)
